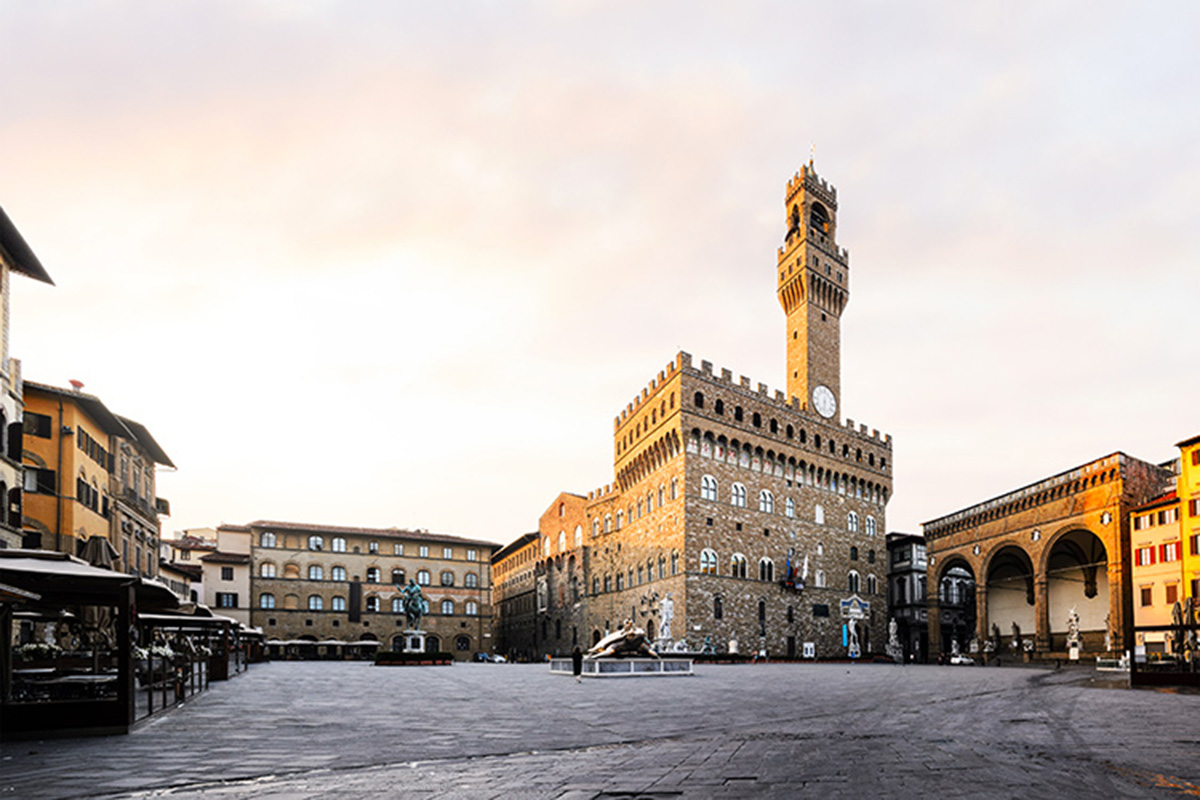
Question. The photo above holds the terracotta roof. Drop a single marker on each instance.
(226, 558)
(514, 546)
(1188, 442)
(392, 533)
(1168, 499)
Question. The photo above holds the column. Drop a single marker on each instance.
(1041, 612)
(981, 613)
(935, 627)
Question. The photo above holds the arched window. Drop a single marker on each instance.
(819, 579)
(872, 585)
(562, 541)
(871, 556)
(447, 607)
(337, 574)
(737, 495)
(870, 526)
(462, 643)
(662, 495)
(397, 605)
(267, 539)
(737, 565)
(595, 527)
(316, 543)
(546, 546)
(596, 584)
(608, 523)
(662, 567)
(719, 406)
(620, 581)
(718, 611)
(578, 535)
(852, 522)
(675, 561)
(853, 553)
(620, 519)
(339, 544)
(708, 562)
(471, 580)
(789, 507)
(708, 488)
(472, 608)
(699, 400)
(316, 573)
(852, 582)
(398, 577)
(447, 578)
(423, 577)
(608, 583)
(674, 488)
(819, 515)
(266, 570)
(372, 603)
(766, 569)
(315, 602)
(372, 574)
(766, 502)
(266, 600)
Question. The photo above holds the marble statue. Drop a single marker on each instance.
(1073, 628)
(668, 615)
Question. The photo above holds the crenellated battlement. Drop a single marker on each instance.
(778, 399)
(807, 178)
(682, 361)
(603, 492)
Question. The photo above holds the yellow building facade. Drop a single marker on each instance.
(1189, 514)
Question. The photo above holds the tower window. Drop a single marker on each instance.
(719, 406)
(818, 217)
(737, 413)
(699, 400)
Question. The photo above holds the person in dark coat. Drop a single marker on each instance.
(577, 663)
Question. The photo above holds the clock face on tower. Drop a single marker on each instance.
(824, 401)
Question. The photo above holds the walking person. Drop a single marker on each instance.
(577, 664)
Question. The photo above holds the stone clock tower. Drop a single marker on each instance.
(814, 281)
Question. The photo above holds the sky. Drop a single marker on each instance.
(402, 263)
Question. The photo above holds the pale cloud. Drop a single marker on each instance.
(348, 259)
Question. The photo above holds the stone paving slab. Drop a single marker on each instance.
(311, 729)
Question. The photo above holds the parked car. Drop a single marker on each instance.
(962, 660)
(488, 658)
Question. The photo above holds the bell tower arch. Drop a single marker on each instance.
(814, 287)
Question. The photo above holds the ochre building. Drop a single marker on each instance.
(1035, 555)
(323, 583)
(740, 518)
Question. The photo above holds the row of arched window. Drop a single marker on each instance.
(371, 603)
(782, 466)
(638, 508)
(577, 539)
(766, 504)
(643, 425)
(316, 572)
(789, 431)
(642, 573)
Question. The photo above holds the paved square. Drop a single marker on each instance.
(310, 729)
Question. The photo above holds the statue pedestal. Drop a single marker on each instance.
(414, 642)
(625, 667)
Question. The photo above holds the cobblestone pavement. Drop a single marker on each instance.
(293, 730)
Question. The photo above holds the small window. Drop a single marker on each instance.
(719, 407)
(819, 515)
(737, 565)
(373, 604)
(373, 548)
(854, 553)
(338, 545)
(766, 569)
(471, 609)
(852, 522)
(471, 580)
(1147, 593)
(708, 488)
(397, 605)
(447, 578)
(852, 582)
(447, 552)
(316, 573)
(473, 555)
(372, 574)
(316, 543)
(447, 607)
(398, 577)
(267, 539)
(316, 602)
(708, 562)
(423, 551)
(397, 549)
(266, 570)
(423, 577)
(266, 600)
(337, 574)
(699, 400)
(338, 604)
(766, 502)
(718, 610)
(789, 507)
(226, 573)
(737, 413)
